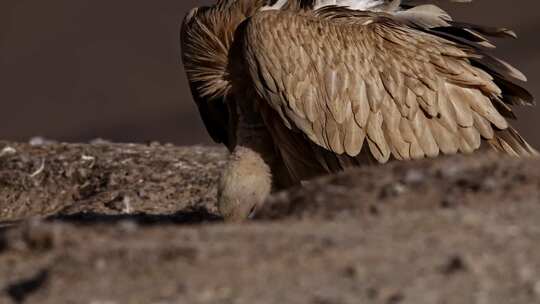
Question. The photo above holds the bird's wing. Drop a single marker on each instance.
(206, 37)
(352, 79)
(204, 54)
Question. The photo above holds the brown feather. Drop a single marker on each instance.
(364, 77)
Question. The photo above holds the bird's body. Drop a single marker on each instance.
(300, 88)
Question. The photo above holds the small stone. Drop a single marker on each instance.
(350, 272)
(40, 141)
(396, 298)
(414, 177)
(373, 210)
(99, 141)
(392, 190)
(454, 265)
(536, 289)
(87, 158)
(490, 184)
(103, 302)
(7, 151)
(128, 226)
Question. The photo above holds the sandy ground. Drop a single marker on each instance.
(110, 223)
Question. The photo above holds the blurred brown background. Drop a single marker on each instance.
(74, 70)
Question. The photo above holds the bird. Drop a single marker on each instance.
(297, 89)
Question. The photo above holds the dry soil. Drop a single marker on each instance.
(118, 223)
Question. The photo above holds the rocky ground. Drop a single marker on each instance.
(114, 223)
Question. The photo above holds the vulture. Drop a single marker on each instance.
(301, 88)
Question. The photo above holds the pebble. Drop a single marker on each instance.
(414, 177)
(536, 289)
(8, 151)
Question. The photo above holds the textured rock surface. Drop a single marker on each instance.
(451, 230)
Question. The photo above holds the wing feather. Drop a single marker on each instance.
(370, 79)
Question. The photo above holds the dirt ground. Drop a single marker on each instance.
(115, 223)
